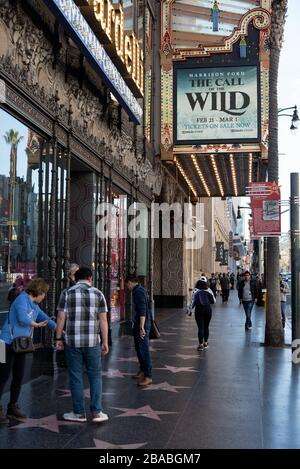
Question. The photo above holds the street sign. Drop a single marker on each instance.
(11, 223)
(265, 205)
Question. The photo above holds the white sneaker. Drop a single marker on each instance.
(72, 417)
(100, 417)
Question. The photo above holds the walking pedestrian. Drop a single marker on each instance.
(24, 314)
(141, 329)
(85, 314)
(203, 298)
(284, 290)
(225, 284)
(247, 295)
(213, 284)
(232, 279)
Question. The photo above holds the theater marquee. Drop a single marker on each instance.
(97, 28)
(216, 105)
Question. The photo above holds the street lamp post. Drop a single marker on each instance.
(294, 116)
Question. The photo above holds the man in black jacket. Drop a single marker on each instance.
(247, 296)
(141, 329)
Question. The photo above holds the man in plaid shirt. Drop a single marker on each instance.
(85, 313)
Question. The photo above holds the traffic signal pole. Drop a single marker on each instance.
(295, 255)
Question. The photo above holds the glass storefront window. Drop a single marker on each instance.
(117, 294)
(18, 205)
(25, 198)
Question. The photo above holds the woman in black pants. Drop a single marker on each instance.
(24, 314)
(203, 298)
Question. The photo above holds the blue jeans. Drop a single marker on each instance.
(248, 305)
(142, 351)
(283, 308)
(91, 357)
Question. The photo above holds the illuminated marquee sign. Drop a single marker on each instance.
(124, 48)
(85, 38)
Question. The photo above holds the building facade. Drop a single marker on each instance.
(67, 145)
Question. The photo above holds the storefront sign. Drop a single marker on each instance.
(265, 204)
(225, 257)
(110, 25)
(84, 36)
(219, 251)
(230, 243)
(215, 105)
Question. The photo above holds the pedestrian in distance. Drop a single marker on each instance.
(213, 284)
(247, 295)
(71, 274)
(284, 290)
(225, 285)
(232, 279)
(17, 288)
(24, 315)
(84, 314)
(71, 277)
(203, 299)
(141, 329)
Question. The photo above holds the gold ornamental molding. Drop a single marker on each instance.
(261, 20)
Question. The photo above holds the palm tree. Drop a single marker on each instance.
(13, 139)
(274, 332)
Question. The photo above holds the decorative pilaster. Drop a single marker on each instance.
(67, 203)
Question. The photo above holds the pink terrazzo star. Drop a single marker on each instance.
(185, 357)
(115, 374)
(165, 386)
(47, 423)
(179, 369)
(100, 444)
(145, 411)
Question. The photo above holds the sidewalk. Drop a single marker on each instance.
(235, 394)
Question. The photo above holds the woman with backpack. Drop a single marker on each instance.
(203, 298)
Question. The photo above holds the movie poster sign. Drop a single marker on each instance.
(216, 105)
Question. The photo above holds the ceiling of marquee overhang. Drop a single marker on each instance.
(216, 175)
(192, 20)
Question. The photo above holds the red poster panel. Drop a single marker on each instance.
(265, 204)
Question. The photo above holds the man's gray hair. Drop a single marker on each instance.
(73, 268)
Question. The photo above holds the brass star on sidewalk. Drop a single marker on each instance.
(179, 369)
(165, 386)
(145, 411)
(47, 423)
(100, 444)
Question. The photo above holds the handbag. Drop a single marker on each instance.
(22, 344)
(154, 331)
